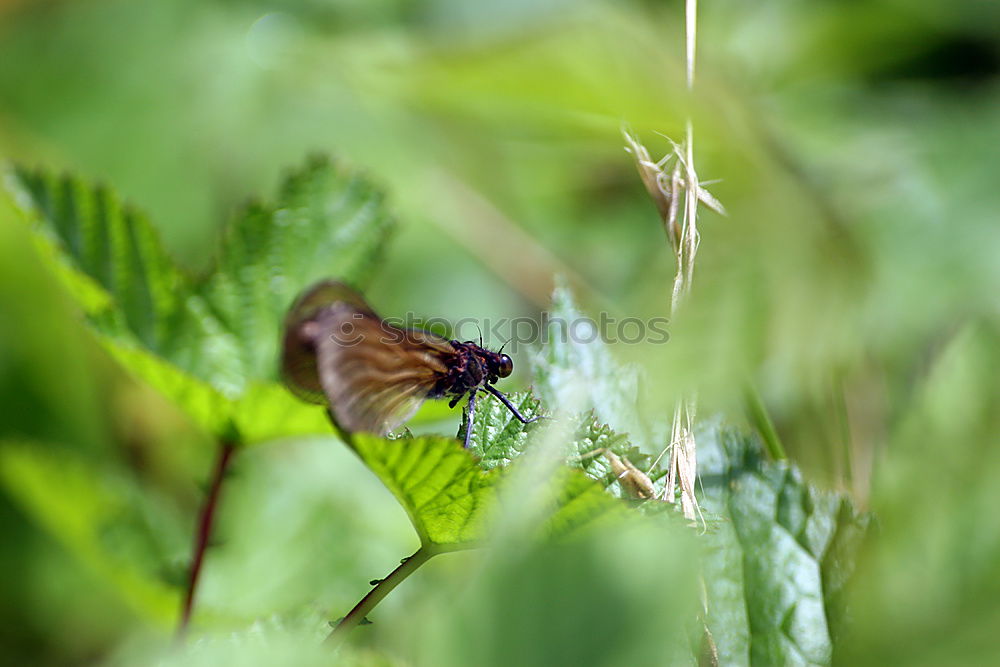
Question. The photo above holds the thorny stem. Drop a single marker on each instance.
(376, 594)
(206, 519)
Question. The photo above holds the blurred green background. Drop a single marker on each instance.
(855, 282)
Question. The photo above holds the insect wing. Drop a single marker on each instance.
(375, 375)
(302, 331)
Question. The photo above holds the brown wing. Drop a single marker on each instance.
(301, 333)
(373, 375)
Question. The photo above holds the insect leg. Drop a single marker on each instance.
(510, 406)
(472, 415)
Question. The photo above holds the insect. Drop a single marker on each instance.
(373, 374)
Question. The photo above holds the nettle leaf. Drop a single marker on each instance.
(452, 500)
(595, 446)
(210, 345)
(498, 437)
(575, 371)
(777, 565)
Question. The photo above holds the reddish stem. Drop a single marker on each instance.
(205, 520)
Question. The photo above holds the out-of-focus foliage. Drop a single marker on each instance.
(779, 556)
(853, 283)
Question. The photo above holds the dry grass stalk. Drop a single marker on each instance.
(673, 184)
(634, 482)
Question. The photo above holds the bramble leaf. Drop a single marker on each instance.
(113, 245)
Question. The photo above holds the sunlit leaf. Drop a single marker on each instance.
(447, 495)
(267, 410)
(451, 500)
(199, 400)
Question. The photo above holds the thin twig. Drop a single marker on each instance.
(375, 595)
(206, 519)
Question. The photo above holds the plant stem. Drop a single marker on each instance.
(205, 520)
(375, 595)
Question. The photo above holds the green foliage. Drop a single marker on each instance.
(447, 496)
(498, 437)
(779, 552)
(100, 518)
(854, 286)
(209, 345)
(590, 439)
(452, 501)
(778, 561)
(575, 371)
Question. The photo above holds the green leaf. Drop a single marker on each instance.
(777, 565)
(580, 502)
(202, 403)
(589, 443)
(498, 437)
(446, 494)
(211, 346)
(267, 410)
(452, 501)
(114, 245)
(575, 371)
(94, 514)
(264, 412)
(327, 221)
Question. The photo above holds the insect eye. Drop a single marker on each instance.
(505, 367)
